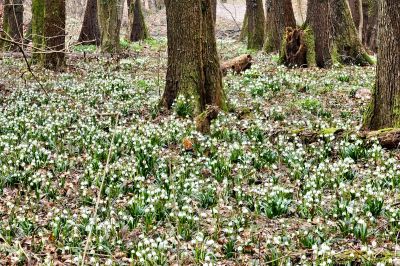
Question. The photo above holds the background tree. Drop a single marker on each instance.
(138, 29)
(255, 24)
(356, 7)
(48, 26)
(90, 32)
(348, 46)
(331, 38)
(193, 63)
(109, 18)
(279, 15)
(370, 27)
(13, 23)
(385, 108)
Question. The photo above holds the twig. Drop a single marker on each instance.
(106, 170)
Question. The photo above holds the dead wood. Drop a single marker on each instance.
(237, 64)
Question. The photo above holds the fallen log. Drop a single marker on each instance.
(237, 64)
(388, 138)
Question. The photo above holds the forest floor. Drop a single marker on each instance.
(250, 193)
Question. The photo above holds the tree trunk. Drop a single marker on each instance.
(332, 38)
(245, 27)
(348, 46)
(320, 32)
(38, 12)
(193, 63)
(109, 18)
(54, 33)
(255, 24)
(138, 30)
(214, 10)
(90, 32)
(13, 23)
(370, 28)
(384, 111)
(279, 16)
(356, 8)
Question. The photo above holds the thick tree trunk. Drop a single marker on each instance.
(109, 18)
(385, 108)
(13, 23)
(90, 32)
(138, 30)
(213, 88)
(48, 33)
(193, 63)
(320, 31)
(279, 16)
(54, 33)
(348, 46)
(255, 24)
(332, 38)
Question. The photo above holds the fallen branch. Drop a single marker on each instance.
(388, 138)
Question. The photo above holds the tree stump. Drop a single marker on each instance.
(295, 48)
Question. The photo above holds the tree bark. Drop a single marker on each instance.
(38, 40)
(384, 111)
(321, 31)
(109, 18)
(255, 24)
(90, 32)
(348, 46)
(356, 8)
(370, 28)
(138, 29)
(13, 23)
(333, 36)
(245, 27)
(279, 16)
(193, 63)
(54, 34)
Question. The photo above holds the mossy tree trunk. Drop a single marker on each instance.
(38, 40)
(138, 29)
(193, 63)
(90, 32)
(348, 46)
(13, 22)
(385, 107)
(279, 16)
(332, 38)
(255, 24)
(109, 18)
